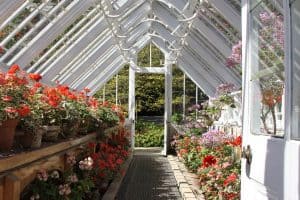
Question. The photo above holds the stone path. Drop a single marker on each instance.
(149, 177)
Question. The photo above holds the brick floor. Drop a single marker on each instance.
(149, 177)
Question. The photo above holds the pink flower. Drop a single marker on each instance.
(73, 178)
(7, 98)
(64, 190)
(42, 175)
(86, 164)
(10, 110)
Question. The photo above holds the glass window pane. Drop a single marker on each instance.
(295, 24)
(267, 68)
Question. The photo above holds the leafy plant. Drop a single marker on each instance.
(177, 118)
(148, 134)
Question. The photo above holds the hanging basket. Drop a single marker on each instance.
(7, 132)
(33, 138)
(51, 133)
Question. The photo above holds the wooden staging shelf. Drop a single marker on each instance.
(18, 171)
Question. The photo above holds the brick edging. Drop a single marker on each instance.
(188, 190)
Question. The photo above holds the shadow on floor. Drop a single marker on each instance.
(149, 177)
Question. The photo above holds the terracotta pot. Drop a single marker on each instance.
(7, 134)
(51, 133)
(70, 129)
(32, 139)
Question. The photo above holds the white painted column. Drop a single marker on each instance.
(131, 104)
(168, 103)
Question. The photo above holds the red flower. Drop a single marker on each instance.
(13, 69)
(7, 98)
(209, 161)
(24, 110)
(35, 77)
(237, 141)
(119, 161)
(37, 85)
(230, 179)
(10, 110)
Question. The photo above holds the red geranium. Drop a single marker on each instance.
(209, 160)
(24, 110)
(237, 141)
(35, 77)
(230, 179)
(13, 69)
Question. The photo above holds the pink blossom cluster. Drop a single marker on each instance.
(279, 31)
(273, 25)
(64, 190)
(266, 17)
(236, 55)
(86, 164)
(42, 175)
(225, 88)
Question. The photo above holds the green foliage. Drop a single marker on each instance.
(177, 118)
(150, 88)
(149, 134)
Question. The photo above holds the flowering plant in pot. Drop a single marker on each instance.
(31, 125)
(52, 113)
(70, 111)
(13, 103)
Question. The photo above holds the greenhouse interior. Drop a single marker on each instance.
(149, 99)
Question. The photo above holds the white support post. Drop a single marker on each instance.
(168, 103)
(131, 104)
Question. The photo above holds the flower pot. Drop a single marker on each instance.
(70, 129)
(7, 130)
(51, 133)
(32, 139)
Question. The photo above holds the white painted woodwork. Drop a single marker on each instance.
(274, 173)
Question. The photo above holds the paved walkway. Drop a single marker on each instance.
(149, 177)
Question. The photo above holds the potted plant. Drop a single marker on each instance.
(52, 113)
(13, 104)
(70, 118)
(31, 125)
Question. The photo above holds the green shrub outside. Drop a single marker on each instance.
(149, 134)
